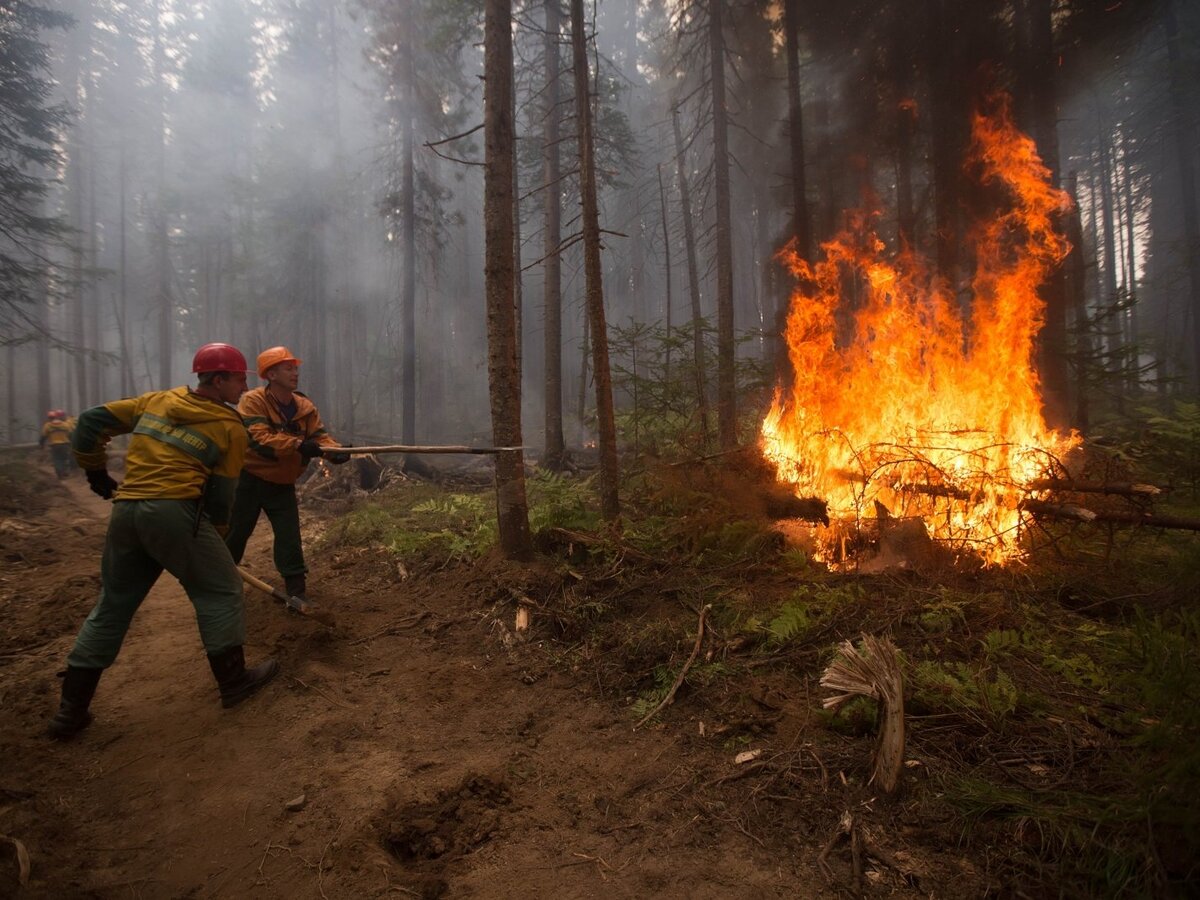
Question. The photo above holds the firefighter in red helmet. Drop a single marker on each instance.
(171, 511)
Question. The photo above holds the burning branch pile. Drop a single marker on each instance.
(903, 400)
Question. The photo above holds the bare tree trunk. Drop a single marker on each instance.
(10, 378)
(689, 240)
(518, 274)
(408, 212)
(1076, 290)
(1111, 260)
(606, 431)
(800, 221)
(127, 389)
(504, 375)
(552, 290)
(78, 327)
(42, 311)
(726, 371)
(1133, 332)
(662, 199)
(1052, 360)
(166, 310)
(1184, 151)
(96, 390)
(948, 143)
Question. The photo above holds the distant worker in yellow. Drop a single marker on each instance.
(185, 452)
(56, 434)
(286, 433)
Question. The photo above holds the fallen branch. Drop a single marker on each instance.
(667, 700)
(861, 843)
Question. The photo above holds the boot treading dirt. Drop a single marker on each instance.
(235, 680)
(78, 688)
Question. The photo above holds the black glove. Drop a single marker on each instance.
(310, 448)
(101, 482)
(338, 458)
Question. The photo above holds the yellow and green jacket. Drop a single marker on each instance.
(56, 432)
(183, 446)
(275, 440)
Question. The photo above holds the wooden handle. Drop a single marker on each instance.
(408, 448)
(261, 585)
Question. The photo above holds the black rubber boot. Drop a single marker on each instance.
(78, 688)
(235, 680)
(296, 586)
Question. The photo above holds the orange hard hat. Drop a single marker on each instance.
(268, 359)
(218, 357)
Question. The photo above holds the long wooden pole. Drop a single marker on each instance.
(417, 448)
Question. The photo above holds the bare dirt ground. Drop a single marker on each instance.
(426, 754)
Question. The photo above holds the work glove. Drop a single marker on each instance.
(338, 458)
(101, 482)
(310, 448)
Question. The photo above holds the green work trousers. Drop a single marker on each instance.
(278, 501)
(145, 537)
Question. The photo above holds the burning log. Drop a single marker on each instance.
(1120, 488)
(1117, 517)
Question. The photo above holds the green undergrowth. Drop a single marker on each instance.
(1085, 661)
(426, 521)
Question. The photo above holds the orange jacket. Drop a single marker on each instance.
(274, 452)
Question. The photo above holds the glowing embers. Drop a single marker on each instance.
(901, 406)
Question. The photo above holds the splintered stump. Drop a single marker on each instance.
(873, 670)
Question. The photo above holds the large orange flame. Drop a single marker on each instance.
(899, 397)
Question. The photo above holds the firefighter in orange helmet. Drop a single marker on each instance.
(286, 432)
(185, 452)
(56, 434)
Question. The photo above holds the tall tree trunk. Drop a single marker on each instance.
(162, 259)
(726, 370)
(127, 389)
(552, 236)
(606, 431)
(1112, 318)
(42, 365)
(95, 383)
(10, 406)
(1075, 268)
(504, 374)
(800, 220)
(78, 286)
(1043, 64)
(1133, 332)
(1184, 153)
(948, 142)
(408, 213)
(906, 129)
(662, 200)
(689, 241)
(518, 274)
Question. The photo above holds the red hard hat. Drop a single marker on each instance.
(219, 358)
(51, 413)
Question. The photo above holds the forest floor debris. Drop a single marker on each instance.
(1038, 703)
